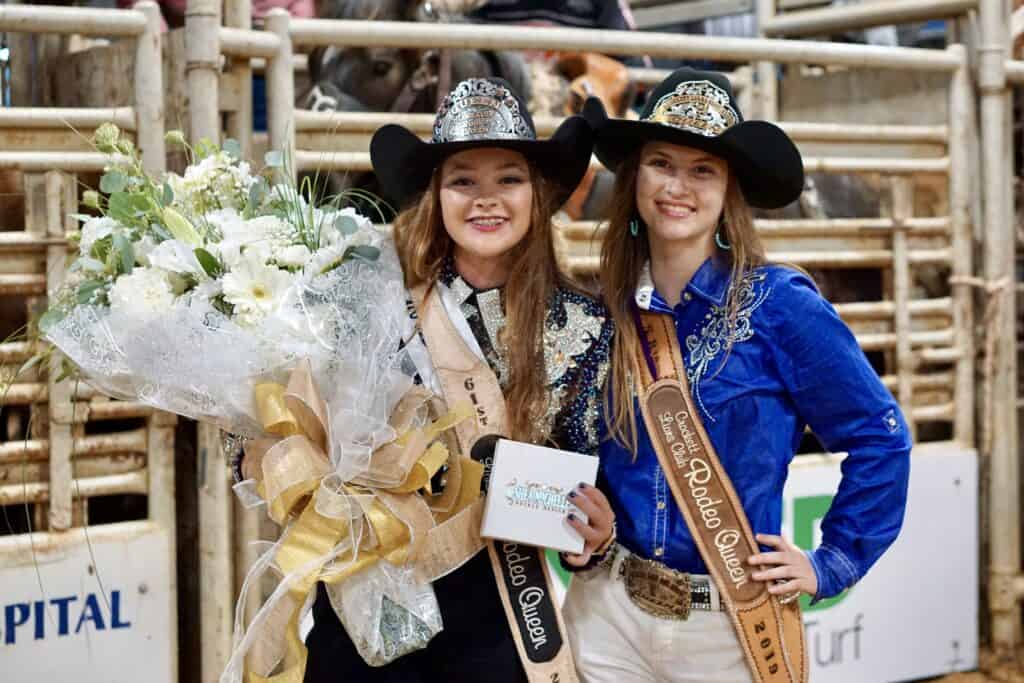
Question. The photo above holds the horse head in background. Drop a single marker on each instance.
(396, 79)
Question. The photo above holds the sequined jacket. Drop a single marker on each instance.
(577, 338)
(792, 363)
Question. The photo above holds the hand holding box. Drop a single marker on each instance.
(527, 499)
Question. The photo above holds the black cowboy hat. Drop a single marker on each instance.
(697, 109)
(479, 112)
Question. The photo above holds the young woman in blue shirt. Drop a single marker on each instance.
(765, 355)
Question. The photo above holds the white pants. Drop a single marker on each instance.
(614, 641)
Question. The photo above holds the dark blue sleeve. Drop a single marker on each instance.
(840, 396)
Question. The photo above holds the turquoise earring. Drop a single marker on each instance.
(720, 241)
(634, 227)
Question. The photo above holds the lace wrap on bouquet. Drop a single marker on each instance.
(194, 360)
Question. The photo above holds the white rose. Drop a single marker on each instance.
(237, 235)
(143, 291)
(361, 220)
(229, 253)
(177, 257)
(143, 248)
(329, 234)
(262, 227)
(323, 259)
(259, 252)
(227, 221)
(207, 289)
(294, 256)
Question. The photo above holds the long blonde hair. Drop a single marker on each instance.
(423, 245)
(622, 260)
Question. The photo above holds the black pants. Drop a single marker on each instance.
(475, 645)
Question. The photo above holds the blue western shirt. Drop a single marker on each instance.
(792, 363)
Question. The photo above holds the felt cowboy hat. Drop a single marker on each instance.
(479, 112)
(697, 109)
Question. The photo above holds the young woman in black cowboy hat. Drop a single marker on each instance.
(707, 331)
(474, 239)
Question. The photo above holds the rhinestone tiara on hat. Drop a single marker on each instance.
(699, 107)
(478, 109)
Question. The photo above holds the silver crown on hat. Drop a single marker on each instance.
(699, 107)
(478, 109)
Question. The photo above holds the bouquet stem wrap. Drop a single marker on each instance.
(335, 529)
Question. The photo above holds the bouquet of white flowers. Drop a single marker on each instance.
(185, 286)
(224, 297)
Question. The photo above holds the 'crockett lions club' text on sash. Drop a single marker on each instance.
(770, 633)
(521, 572)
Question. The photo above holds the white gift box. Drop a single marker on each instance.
(527, 498)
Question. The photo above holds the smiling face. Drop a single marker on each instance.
(680, 194)
(486, 204)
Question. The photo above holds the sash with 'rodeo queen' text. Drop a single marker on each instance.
(520, 571)
(771, 634)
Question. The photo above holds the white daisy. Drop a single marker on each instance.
(254, 289)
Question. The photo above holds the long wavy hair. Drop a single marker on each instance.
(622, 260)
(423, 244)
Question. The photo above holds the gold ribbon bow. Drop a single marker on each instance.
(336, 528)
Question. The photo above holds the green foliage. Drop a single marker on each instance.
(112, 181)
(232, 148)
(209, 262)
(87, 289)
(127, 208)
(124, 253)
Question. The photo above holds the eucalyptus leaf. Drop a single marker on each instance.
(257, 192)
(160, 231)
(125, 208)
(87, 289)
(168, 194)
(112, 181)
(208, 261)
(273, 159)
(125, 253)
(232, 148)
(87, 264)
(50, 318)
(346, 225)
(364, 251)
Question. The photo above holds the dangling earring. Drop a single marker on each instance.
(634, 227)
(719, 240)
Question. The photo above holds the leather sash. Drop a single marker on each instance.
(771, 634)
(521, 572)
